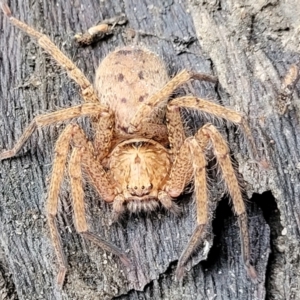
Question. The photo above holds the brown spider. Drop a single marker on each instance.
(140, 156)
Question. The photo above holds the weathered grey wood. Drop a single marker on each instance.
(256, 45)
(249, 47)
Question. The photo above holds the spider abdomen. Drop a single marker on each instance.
(126, 78)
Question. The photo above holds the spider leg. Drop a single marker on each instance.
(181, 171)
(222, 154)
(158, 132)
(103, 135)
(88, 92)
(190, 160)
(61, 153)
(176, 133)
(96, 173)
(218, 111)
(147, 107)
(73, 134)
(51, 118)
(81, 225)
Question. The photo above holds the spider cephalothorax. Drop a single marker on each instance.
(139, 168)
(140, 156)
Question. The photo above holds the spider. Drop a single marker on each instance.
(140, 157)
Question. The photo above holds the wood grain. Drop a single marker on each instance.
(249, 48)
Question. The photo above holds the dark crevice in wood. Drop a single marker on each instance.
(268, 205)
(223, 212)
(7, 286)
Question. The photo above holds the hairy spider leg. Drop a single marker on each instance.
(220, 112)
(87, 89)
(147, 107)
(86, 109)
(190, 161)
(222, 155)
(82, 157)
(191, 102)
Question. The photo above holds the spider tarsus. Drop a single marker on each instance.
(194, 241)
(116, 216)
(107, 247)
(175, 209)
(179, 273)
(263, 164)
(6, 154)
(126, 261)
(251, 272)
(5, 9)
(204, 77)
(61, 276)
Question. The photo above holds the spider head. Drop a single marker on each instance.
(139, 169)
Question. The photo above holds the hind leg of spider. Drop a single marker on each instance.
(74, 135)
(219, 111)
(195, 103)
(147, 107)
(87, 109)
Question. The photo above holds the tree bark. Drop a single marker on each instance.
(249, 47)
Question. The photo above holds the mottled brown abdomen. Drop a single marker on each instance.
(126, 78)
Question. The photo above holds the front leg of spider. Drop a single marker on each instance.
(82, 157)
(190, 162)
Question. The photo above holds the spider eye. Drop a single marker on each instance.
(143, 187)
(127, 187)
(135, 187)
